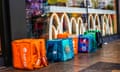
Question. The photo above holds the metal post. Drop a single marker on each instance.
(87, 14)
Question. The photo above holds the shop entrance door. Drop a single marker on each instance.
(1, 21)
(5, 41)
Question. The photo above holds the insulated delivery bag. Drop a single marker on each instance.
(59, 50)
(74, 40)
(87, 44)
(97, 35)
(29, 53)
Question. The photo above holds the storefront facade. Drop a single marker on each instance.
(15, 26)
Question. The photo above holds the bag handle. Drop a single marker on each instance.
(43, 52)
(37, 48)
(35, 59)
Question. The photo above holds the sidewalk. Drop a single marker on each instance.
(110, 53)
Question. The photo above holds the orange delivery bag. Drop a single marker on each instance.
(29, 53)
(75, 45)
(63, 35)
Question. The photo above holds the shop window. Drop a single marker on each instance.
(78, 16)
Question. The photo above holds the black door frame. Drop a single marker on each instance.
(118, 15)
(5, 33)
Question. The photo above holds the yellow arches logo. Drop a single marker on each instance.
(95, 22)
(107, 25)
(79, 27)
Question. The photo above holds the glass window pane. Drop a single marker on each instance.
(83, 15)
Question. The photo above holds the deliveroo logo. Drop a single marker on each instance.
(24, 56)
(24, 50)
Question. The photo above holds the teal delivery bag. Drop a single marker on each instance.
(59, 50)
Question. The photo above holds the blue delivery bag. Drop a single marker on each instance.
(59, 50)
(87, 44)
